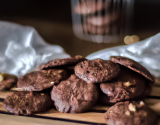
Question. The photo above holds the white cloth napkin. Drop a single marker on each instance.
(22, 49)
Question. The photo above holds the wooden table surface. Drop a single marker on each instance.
(60, 34)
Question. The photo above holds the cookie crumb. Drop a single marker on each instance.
(132, 107)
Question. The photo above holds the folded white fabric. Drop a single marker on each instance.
(146, 52)
(22, 49)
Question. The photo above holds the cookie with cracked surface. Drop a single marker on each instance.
(40, 80)
(74, 95)
(7, 81)
(27, 103)
(130, 113)
(97, 71)
(126, 86)
(133, 65)
(70, 61)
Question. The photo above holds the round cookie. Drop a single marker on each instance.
(27, 103)
(100, 30)
(102, 20)
(126, 86)
(40, 80)
(63, 62)
(97, 71)
(90, 6)
(130, 113)
(7, 81)
(133, 65)
(74, 95)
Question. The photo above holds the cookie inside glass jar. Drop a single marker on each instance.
(101, 20)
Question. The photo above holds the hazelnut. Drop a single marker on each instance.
(132, 107)
(110, 111)
(127, 84)
(52, 82)
(1, 77)
(127, 113)
(141, 103)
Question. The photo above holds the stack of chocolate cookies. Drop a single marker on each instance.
(75, 84)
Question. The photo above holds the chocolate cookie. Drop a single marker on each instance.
(102, 20)
(40, 80)
(133, 65)
(90, 6)
(7, 81)
(96, 71)
(27, 103)
(126, 86)
(130, 113)
(74, 95)
(63, 62)
(99, 30)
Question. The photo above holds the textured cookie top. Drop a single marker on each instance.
(63, 62)
(130, 113)
(74, 95)
(40, 80)
(96, 71)
(27, 103)
(127, 85)
(133, 65)
(7, 81)
(90, 6)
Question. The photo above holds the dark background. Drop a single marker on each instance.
(52, 19)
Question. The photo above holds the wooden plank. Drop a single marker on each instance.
(86, 117)
(155, 91)
(21, 120)
(95, 117)
(4, 94)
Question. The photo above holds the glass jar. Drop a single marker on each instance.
(102, 21)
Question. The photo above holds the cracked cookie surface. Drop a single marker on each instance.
(74, 95)
(97, 71)
(40, 80)
(27, 103)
